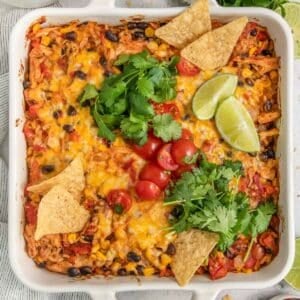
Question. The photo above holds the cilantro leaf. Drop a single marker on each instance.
(103, 131)
(140, 105)
(145, 87)
(88, 93)
(122, 59)
(166, 127)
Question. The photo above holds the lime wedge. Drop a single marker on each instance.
(292, 16)
(293, 277)
(209, 94)
(236, 125)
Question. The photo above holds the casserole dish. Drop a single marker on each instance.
(45, 281)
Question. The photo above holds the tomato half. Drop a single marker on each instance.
(186, 134)
(147, 190)
(155, 174)
(119, 200)
(148, 150)
(186, 68)
(164, 108)
(183, 150)
(30, 213)
(165, 159)
(217, 267)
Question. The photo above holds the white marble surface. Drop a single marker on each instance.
(236, 295)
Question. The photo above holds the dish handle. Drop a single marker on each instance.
(197, 295)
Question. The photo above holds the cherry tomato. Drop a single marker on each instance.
(186, 68)
(147, 190)
(119, 200)
(164, 108)
(30, 213)
(217, 267)
(182, 169)
(181, 150)
(156, 174)
(267, 240)
(148, 150)
(81, 248)
(186, 134)
(262, 36)
(164, 158)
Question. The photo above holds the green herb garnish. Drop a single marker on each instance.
(205, 201)
(123, 100)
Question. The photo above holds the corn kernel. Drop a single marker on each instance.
(163, 47)
(149, 32)
(105, 244)
(95, 248)
(100, 256)
(252, 51)
(152, 46)
(165, 259)
(115, 267)
(72, 238)
(45, 40)
(246, 73)
(131, 267)
(273, 75)
(149, 271)
(120, 233)
(36, 27)
(207, 75)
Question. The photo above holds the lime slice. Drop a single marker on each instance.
(292, 16)
(293, 277)
(236, 125)
(211, 92)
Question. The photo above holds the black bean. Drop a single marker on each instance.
(71, 36)
(86, 270)
(80, 74)
(57, 114)
(269, 154)
(268, 105)
(111, 36)
(88, 238)
(103, 61)
(229, 153)
(240, 83)
(68, 128)
(132, 256)
(140, 269)
(71, 111)
(138, 35)
(176, 212)
(26, 84)
(46, 169)
(41, 265)
(141, 25)
(266, 52)
(105, 269)
(131, 25)
(73, 272)
(186, 117)
(86, 103)
(249, 81)
(253, 32)
(268, 250)
(171, 250)
(122, 272)
(252, 154)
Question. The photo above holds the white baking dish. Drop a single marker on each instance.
(102, 288)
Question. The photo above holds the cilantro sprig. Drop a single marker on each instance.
(205, 201)
(123, 100)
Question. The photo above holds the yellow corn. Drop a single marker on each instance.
(152, 46)
(45, 40)
(131, 267)
(100, 256)
(105, 244)
(36, 27)
(165, 259)
(246, 73)
(149, 32)
(72, 238)
(252, 51)
(115, 267)
(95, 248)
(163, 47)
(120, 234)
(149, 271)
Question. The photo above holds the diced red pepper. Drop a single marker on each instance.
(81, 248)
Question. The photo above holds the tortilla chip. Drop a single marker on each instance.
(59, 212)
(186, 27)
(71, 178)
(192, 248)
(213, 49)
